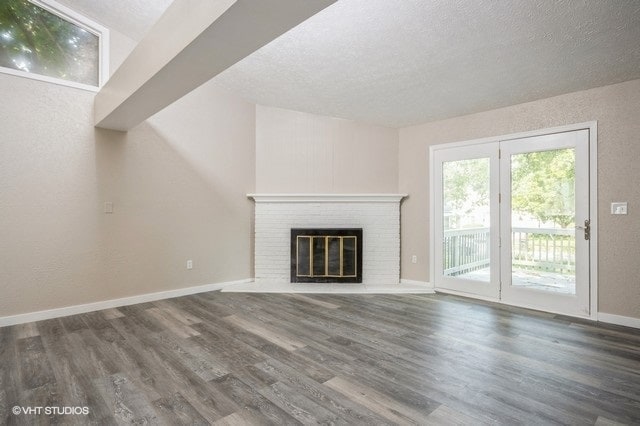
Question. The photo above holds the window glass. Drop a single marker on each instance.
(35, 40)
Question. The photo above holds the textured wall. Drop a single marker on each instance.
(298, 152)
(617, 110)
(178, 184)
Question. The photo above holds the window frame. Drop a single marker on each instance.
(82, 21)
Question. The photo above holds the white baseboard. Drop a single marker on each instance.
(420, 283)
(113, 303)
(619, 320)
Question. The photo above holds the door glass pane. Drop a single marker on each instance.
(466, 219)
(542, 220)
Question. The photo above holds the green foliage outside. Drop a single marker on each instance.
(543, 185)
(35, 40)
(466, 184)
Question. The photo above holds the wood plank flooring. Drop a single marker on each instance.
(243, 358)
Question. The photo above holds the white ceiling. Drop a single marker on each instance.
(402, 62)
(132, 18)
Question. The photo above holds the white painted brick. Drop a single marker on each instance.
(381, 235)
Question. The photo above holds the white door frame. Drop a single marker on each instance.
(592, 126)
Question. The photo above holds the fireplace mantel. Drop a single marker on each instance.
(327, 198)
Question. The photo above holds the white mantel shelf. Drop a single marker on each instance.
(327, 198)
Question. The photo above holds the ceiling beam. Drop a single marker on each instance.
(192, 42)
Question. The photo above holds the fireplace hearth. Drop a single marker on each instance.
(321, 255)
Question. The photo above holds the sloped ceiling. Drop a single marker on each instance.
(402, 62)
(132, 18)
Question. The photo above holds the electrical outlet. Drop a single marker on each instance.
(108, 207)
(414, 259)
(189, 264)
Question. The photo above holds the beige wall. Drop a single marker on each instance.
(177, 183)
(617, 110)
(298, 152)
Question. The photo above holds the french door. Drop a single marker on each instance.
(467, 222)
(512, 221)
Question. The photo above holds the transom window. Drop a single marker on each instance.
(47, 41)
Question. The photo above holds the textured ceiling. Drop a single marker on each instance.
(132, 18)
(401, 62)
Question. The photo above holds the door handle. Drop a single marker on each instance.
(586, 228)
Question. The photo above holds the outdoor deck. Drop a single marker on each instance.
(542, 258)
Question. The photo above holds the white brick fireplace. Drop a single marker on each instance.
(377, 214)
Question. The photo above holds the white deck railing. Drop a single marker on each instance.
(538, 249)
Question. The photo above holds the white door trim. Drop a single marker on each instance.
(592, 126)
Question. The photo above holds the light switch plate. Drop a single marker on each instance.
(108, 207)
(619, 208)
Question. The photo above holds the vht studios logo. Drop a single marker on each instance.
(51, 411)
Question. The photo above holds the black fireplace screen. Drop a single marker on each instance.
(326, 255)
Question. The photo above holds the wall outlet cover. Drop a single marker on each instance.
(619, 207)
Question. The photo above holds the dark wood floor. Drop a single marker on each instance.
(224, 358)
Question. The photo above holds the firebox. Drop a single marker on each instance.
(326, 255)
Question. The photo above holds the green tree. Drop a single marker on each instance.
(543, 185)
(35, 40)
(466, 187)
